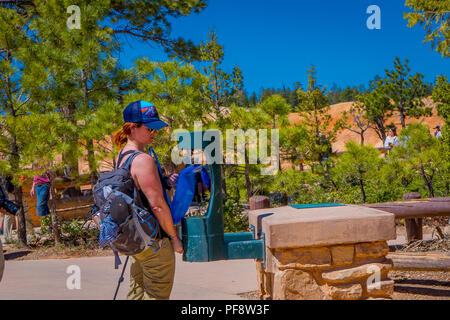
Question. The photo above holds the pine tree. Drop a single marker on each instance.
(419, 151)
(245, 119)
(253, 100)
(406, 92)
(314, 108)
(277, 108)
(433, 15)
(359, 118)
(222, 86)
(265, 93)
(82, 77)
(175, 88)
(441, 96)
(14, 103)
(357, 166)
(148, 21)
(377, 107)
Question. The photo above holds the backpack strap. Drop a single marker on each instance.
(121, 155)
(127, 163)
(117, 261)
(152, 153)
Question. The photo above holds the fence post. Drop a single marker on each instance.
(413, 226)
(259, 202)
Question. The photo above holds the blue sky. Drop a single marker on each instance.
(275, 42)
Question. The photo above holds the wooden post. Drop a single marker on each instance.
(413, 226)
(259, 202)
(420, 261)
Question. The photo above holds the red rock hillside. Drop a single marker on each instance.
(370, 137)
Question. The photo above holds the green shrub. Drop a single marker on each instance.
(73, 230)
(234, 219)
(46, 223)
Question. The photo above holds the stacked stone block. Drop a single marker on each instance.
(342, 272)
(324, 254)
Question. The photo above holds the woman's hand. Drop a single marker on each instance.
(32, 191)
(172, 179)
(177, 245)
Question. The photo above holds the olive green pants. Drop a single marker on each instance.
(152, 273)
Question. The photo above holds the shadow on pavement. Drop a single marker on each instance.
(422, 291)
(15, 255)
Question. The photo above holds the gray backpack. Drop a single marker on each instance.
(125, 226)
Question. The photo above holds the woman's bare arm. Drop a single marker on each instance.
(146, 176)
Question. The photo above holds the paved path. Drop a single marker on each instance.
(46, 279)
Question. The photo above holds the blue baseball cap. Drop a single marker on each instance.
(144, 112)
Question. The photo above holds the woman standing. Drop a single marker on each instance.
(391, 140)
(42, 185)
(151, 273)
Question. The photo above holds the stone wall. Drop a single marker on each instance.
(330, 272)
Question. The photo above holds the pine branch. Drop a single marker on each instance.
(133, 32)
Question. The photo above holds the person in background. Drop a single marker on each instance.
(391, 140)
(6, 220)
(438, 133)
(41, 187)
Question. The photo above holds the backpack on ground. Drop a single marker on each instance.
(125, 226)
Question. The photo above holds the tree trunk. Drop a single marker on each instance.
(381, 130)
(402, 118)
(55, 222)
(21, 224)
(362, 138)
(329, 177)
(71, 168)
(428, 182)
(21, 228)
(361, 184)
(91, 161)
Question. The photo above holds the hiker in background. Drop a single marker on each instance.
(391, 140)
(6, 220)
(41, 187)
(200, 188)
(151, 273)
(438, 133)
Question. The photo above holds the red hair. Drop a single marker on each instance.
(121, 136)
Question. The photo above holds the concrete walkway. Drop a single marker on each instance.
(46, 279)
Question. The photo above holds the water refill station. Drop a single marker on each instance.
(203, 237)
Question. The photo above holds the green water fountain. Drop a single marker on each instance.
(203, 237)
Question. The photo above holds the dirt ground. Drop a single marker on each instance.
(418, 285)
(11, 252)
